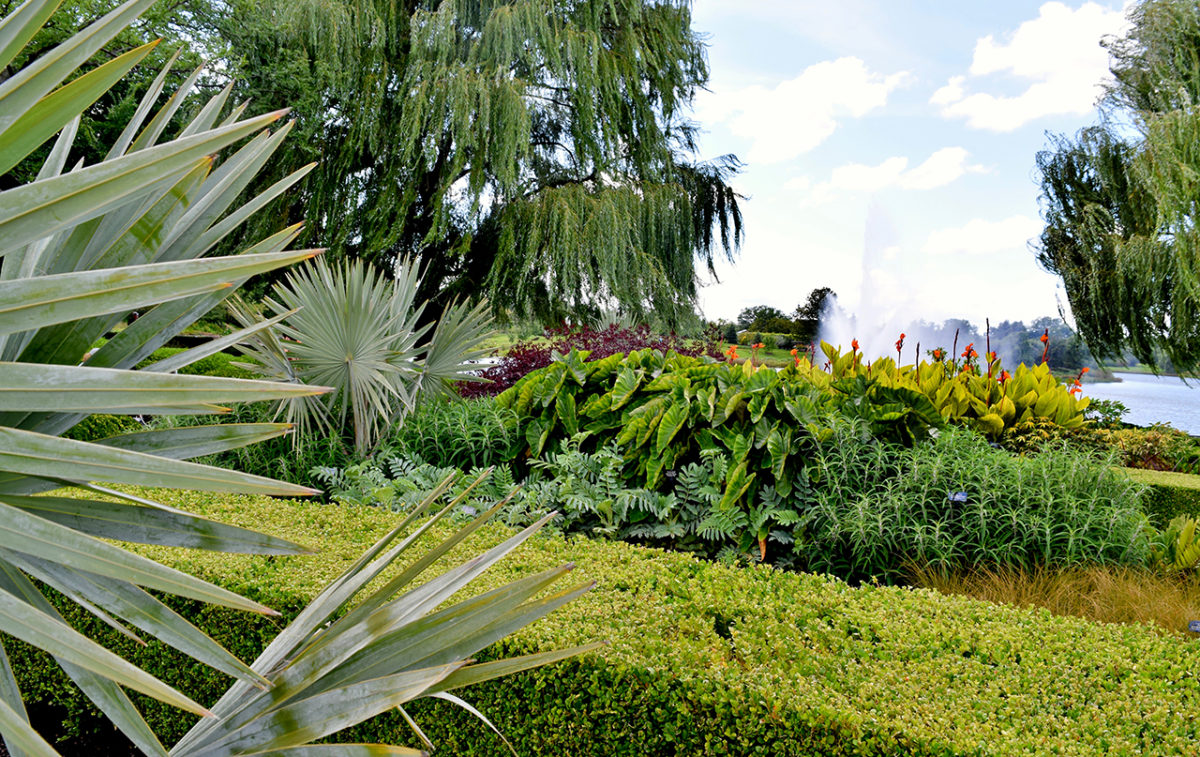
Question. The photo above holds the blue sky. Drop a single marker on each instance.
(920, 120)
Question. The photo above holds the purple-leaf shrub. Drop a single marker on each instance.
(528, 356)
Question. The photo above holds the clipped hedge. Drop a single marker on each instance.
(218, 364)
(711, 659)
(1168, 494)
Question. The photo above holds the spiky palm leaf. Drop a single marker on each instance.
(351, 328)
(78, 252)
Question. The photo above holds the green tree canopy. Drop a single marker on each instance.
(1120, 199)
(537, 151)
(753, 317)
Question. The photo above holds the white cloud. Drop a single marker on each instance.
(798, 184)
(980, 237)
(1057, 54)
(797, 114)
(939, 169)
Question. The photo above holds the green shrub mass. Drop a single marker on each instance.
(709, 659)
(1168, 495)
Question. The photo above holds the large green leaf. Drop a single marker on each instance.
(32, 211)
(22, 531)
(55, 110)
(50, 457)
(20, 26)
(326, 713)
(151, 525)
(18, 734)
(132, 604)
(72, 388)
(21, 91)
(35, 627)
(31, 303)
(188, 442)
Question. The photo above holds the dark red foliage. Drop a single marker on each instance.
(525, 357)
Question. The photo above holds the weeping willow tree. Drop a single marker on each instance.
(1121, 200)
(536, 151)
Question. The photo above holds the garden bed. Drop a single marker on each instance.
(711, 659)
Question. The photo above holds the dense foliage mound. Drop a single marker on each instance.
(709, 659)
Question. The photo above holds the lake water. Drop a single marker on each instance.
(1153, 399)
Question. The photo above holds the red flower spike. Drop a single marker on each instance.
(854, 344)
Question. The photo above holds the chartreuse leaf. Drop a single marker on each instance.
(50, 457)
(20, 26)
(22, 90)
(149, 525)
(19, 735)
(24, 532)
(53, 111)
(35, 210)
(72, 388)
(32, 303)
(35, 627)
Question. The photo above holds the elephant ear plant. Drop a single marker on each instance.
(79, 250)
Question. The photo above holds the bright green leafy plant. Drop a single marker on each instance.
(665, 411)
(963, 388)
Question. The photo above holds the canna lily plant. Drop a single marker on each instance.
(81, 247)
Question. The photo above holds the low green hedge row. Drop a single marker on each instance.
(705, 658)
(217, 364)
(1168, 494)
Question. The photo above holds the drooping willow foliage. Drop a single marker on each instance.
(1120, 200)
(538, 151)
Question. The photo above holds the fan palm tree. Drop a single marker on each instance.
(350, 328)
(82, 247)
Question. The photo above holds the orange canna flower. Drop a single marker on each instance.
(759, 346)
(1045, 337)
(794, 352)
(854, 344)
(1086, 369)
(967, 353)
(1004, 376)
(992, 356)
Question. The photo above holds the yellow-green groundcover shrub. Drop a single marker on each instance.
(711, 659)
